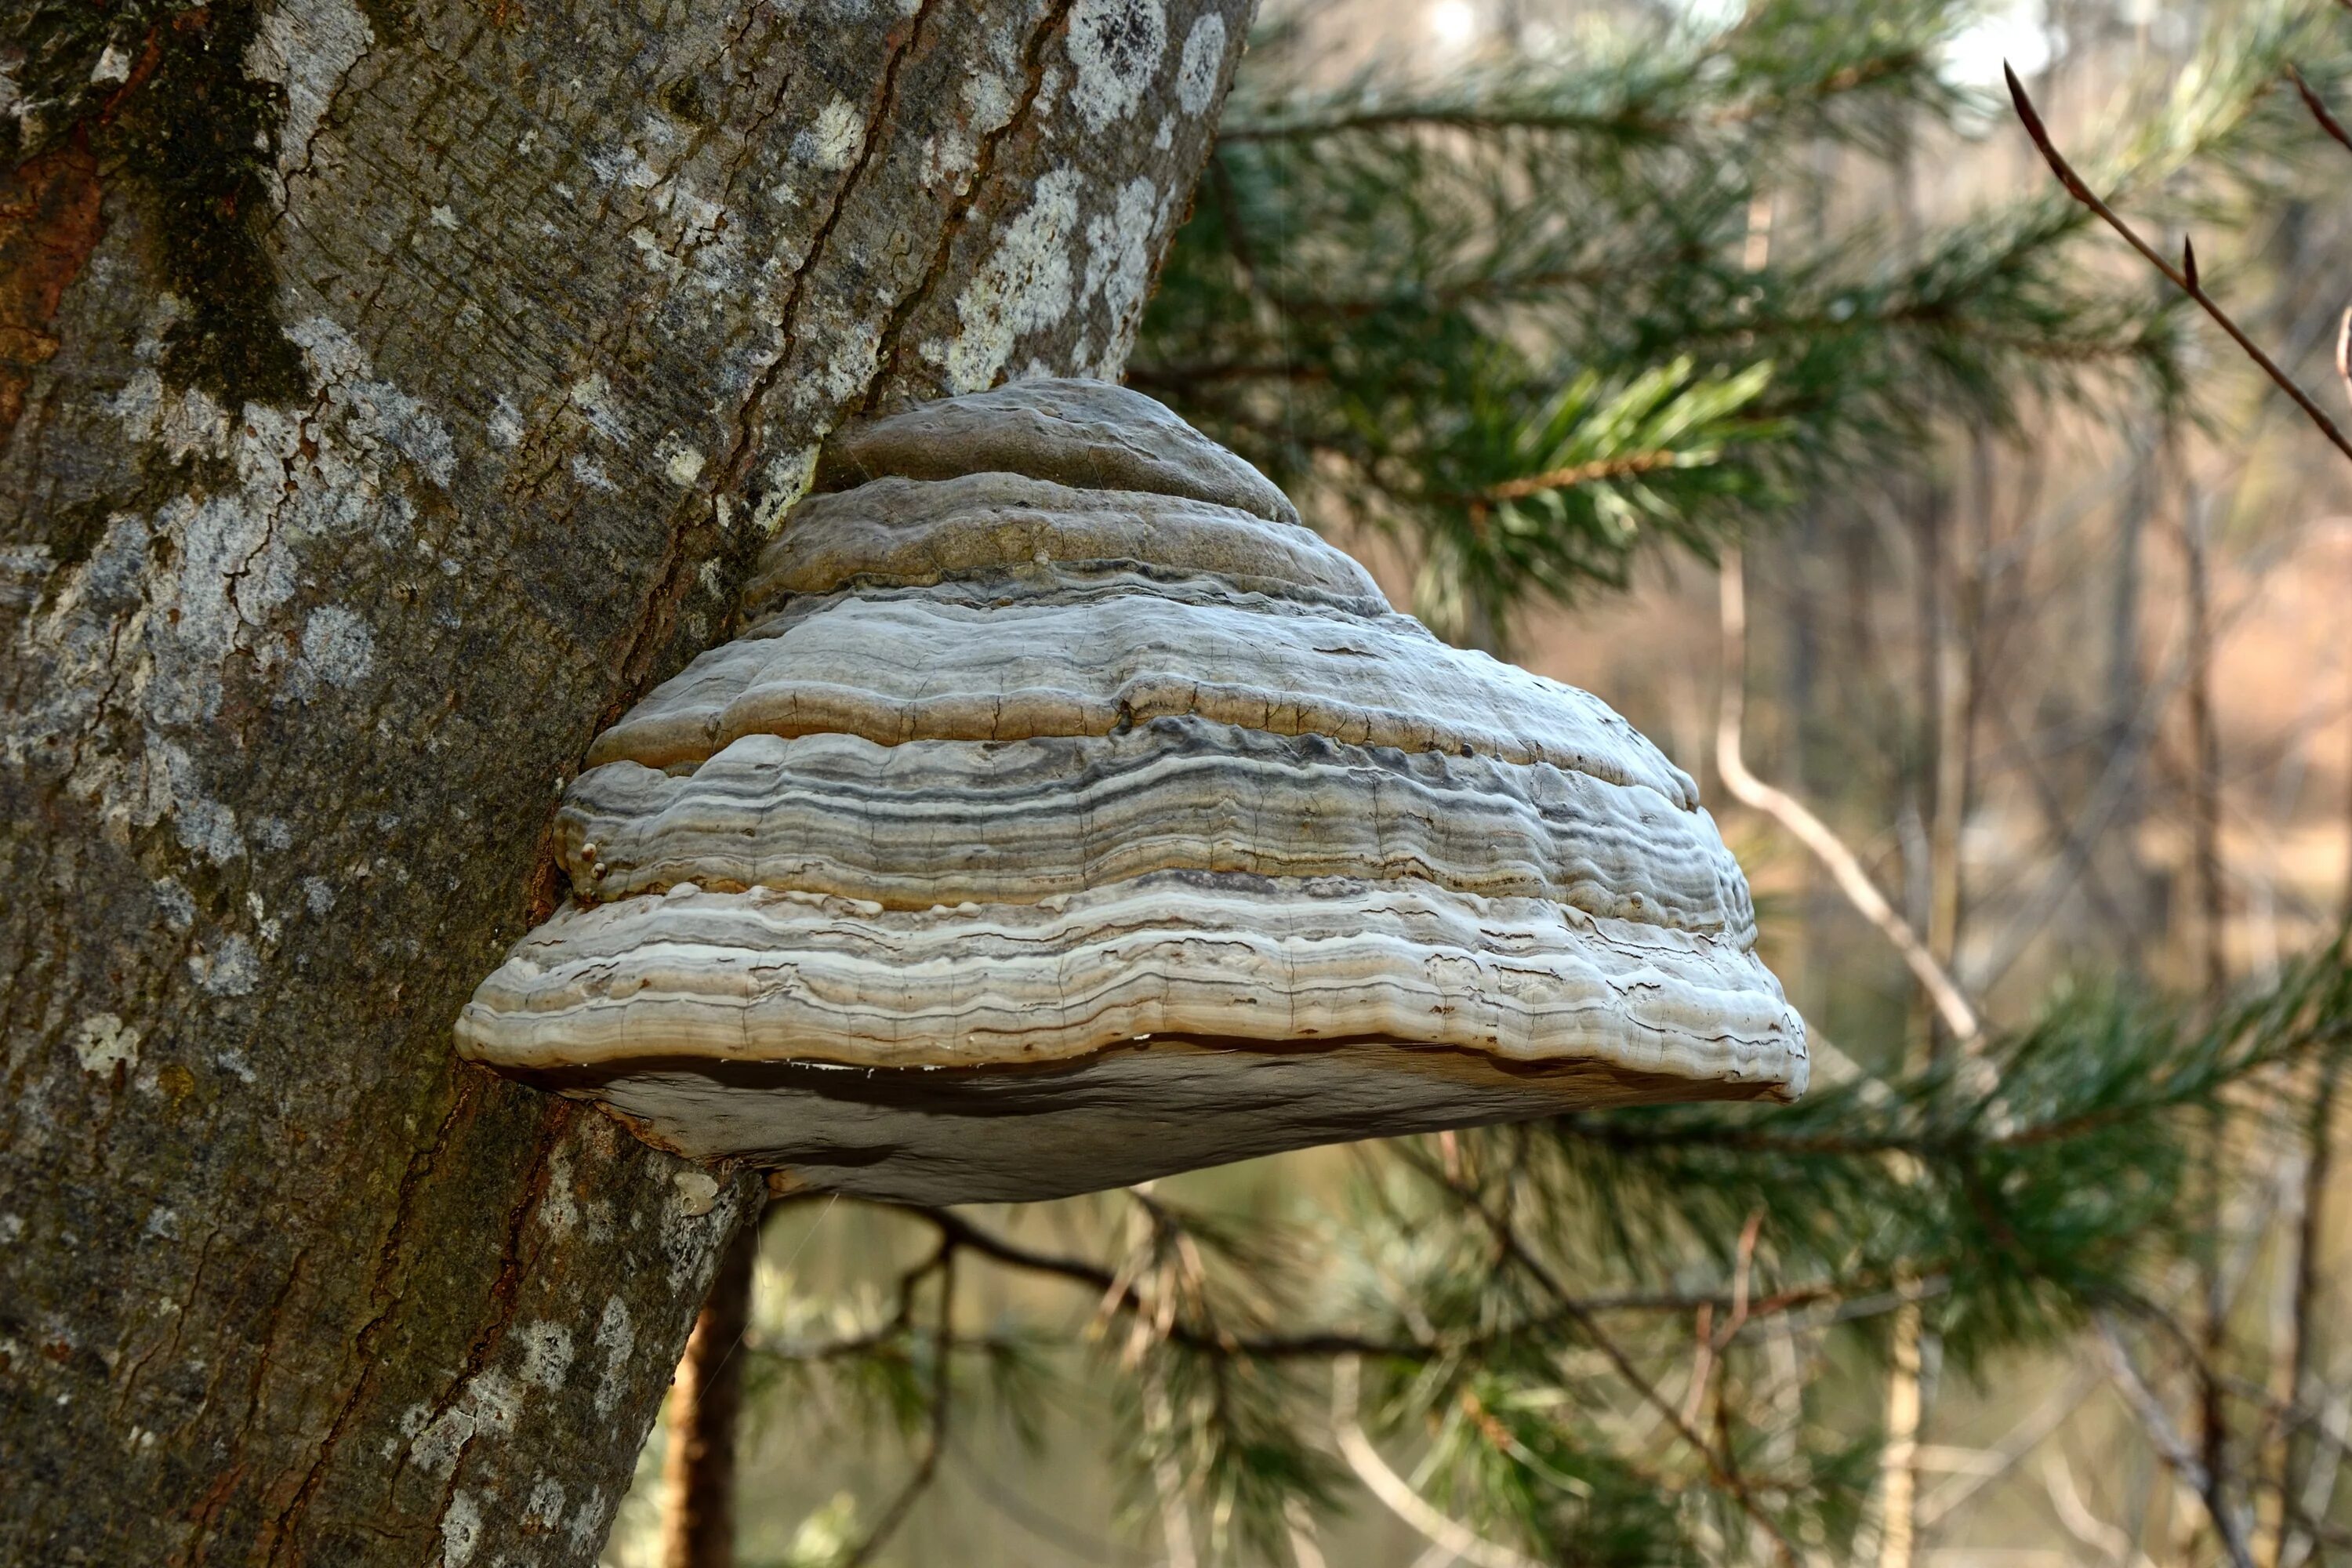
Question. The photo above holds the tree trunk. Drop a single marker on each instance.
(698, 1472)
(390, 391)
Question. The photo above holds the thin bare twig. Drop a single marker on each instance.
(2108, 795)
(2319, 1490)
(2015, 1444)
(2183, 276)
(1845, 868)
(2067, 1500)
(2313, 101)
(1710, 1342)
(1396, 1494)
(2344, 353)
(1298, 1525)
(2168, 1444)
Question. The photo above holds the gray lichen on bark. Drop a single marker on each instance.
(564, 298)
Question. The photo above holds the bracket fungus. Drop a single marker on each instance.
(1069, 814)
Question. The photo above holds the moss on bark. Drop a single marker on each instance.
(160, 94)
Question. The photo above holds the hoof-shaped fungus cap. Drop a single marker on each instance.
(1069, 815)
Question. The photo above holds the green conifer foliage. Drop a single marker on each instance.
(1555, 310)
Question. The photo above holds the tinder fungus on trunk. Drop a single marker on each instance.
(1068, 815)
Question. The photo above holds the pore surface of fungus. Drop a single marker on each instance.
(1068, 815)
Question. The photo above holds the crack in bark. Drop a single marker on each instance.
(302, 171)
(87, 730)
(507, 1288)
(179, 1319)
(732, 169)
(290, 488)
(1056, 20)
(279, 1534)
(676, 577)
(207, 1512)
(735, 166)
(538, 442)
(193, 1549)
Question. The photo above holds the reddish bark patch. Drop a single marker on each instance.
(50, 222)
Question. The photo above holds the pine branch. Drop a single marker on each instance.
(1623, 466)
(1119, 1295)
(1397, 1495)
(927, 1462)
(1719, 1463)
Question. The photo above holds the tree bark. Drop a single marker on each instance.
(389, 392)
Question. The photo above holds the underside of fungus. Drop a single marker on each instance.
(1068, 815)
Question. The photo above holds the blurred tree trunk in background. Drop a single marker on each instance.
(390, 392)
(706, 1402)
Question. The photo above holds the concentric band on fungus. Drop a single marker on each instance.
(908, 666)
(730, 976)
(1087, 434)
(901, 531)
(930, 822)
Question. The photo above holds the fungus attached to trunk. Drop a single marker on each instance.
(1068, 815)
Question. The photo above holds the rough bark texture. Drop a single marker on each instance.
(392, 393)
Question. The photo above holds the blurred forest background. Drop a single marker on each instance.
(1752, 370)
